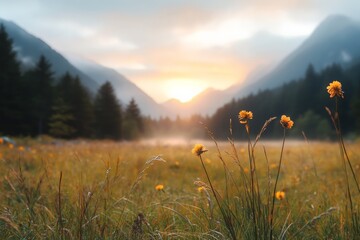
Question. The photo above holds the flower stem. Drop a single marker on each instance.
(276, 181)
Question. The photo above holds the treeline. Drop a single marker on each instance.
(33, 103)
(304, 100)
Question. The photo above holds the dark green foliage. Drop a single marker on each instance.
(78, 98)
(11, 88)
(133, 125)
(108, 114)
(40, 82)
(60, 120)
(313, 125)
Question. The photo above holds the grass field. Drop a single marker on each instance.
(107, 190)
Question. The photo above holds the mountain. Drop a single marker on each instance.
(29, 48)
(335, 40)
(124, 88)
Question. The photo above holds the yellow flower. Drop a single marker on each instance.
(334, 89)
(280, 195)
(273, 165)
(244, 116)
(11, 146)
(198, 149)
(159, 187)
(246, 170)
(21, 148)
(201, 189)
(286, 122)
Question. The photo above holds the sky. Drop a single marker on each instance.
(173, 48)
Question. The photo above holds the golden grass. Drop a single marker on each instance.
(106, 185)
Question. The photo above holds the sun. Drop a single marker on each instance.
(183, 89)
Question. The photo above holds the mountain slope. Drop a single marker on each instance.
(124, 89)
(335, 40)
(29, 48)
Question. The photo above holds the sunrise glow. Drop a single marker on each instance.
(183, 89)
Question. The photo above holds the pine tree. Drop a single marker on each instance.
(41, 81)
(11, 88)
(78, 98)
(133, 125)
(60, 120)
(108, 113)
(83, 110)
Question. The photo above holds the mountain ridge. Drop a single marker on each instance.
(124, 88)
(29, 48)
(332, 38)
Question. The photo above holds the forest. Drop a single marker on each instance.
(34, 103)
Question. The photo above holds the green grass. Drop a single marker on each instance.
(106, 185)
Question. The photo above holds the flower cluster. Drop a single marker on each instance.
(280, 195)
(286, 122)
(159, 187)
(198, 149)
(334, 89)
(244, 116)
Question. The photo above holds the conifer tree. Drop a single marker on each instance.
(108, 113)
(133, 125)
(41, 81)
(11, 88)
(78, 98)
(60, 120)
(83, 110)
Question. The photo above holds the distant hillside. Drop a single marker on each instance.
(29, 48)
(303, 100)
(124, 88)
(335, 40)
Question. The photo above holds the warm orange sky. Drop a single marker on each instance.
(176, 49)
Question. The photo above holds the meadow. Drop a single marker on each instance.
(52, 189)
(136, 190)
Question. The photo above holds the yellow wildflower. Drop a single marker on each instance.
(334, 89)
(198, 149)
(244, 116)
(280, 195)
(11, 146)
(201, 189)
(246, 170)
(273, 165)
(286, 122)
(159, 187)
(21, 148)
